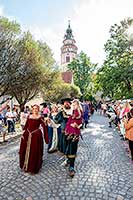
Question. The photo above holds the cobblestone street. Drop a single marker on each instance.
(103, 170)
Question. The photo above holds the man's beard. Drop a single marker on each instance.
(67, 107)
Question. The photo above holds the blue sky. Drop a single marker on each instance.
(90, 20)
(46, 12)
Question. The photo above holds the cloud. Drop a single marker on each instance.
(4, 14)
(1, 10)
(90, 21)
(51, 36)
(93, 20)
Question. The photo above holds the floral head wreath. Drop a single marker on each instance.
(35, 105)
(77, 101)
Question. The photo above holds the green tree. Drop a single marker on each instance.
(9, 31)
(82, 69)
(55, 89)
(24, 64)
(47, 55)
(26, 74)
(75, 91)
(115, 76)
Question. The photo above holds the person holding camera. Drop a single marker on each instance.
(128, 124)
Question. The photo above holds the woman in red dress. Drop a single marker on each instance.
(31, 147)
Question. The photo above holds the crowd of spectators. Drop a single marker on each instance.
(120, 115)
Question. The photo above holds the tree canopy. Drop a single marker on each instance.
(57, 89)
(27, 67)
(8, 34)
(82, 69)
(116, 75)
(25, 64)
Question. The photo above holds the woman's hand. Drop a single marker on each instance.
(125, 120)
(74, 125)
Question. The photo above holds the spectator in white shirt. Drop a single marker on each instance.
(2, 128)
(10, 120)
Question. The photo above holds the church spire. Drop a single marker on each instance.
(69, 48)
(69, 23)
(68, 34)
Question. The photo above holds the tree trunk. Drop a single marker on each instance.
(22, 107)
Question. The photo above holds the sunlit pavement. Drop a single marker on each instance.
(12, 136)
(103, 170)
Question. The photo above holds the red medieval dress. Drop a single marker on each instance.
(31, 146)
(72, 132)
(74, 123)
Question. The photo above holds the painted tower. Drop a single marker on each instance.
(69, 48)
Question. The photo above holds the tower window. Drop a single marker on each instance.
(67, 59)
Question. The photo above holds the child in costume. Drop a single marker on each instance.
(72, 132)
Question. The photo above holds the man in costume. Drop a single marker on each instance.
(62, 118)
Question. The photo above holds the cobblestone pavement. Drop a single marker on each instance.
(103, 170)
(10, 136)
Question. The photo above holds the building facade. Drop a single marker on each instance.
(69, 49)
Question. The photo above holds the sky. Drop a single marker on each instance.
(91, 20)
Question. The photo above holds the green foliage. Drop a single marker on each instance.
(55, 89)
(26, 74)
(46, 54)
(9, 27)
(116, 75)
(75, 91)
(9, 31)
(82, 69)
(25, 64)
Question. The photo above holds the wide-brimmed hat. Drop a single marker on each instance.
(69, 100)
(44, 104)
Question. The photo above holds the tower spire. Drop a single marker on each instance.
(69, 48)
(69, 23)
(68, 34)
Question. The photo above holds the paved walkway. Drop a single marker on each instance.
(104, 171)
(9, 136)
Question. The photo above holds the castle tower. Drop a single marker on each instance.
(69, 49)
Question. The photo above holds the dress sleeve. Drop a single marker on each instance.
(76, 114)
(26, 124)
(45, 131)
